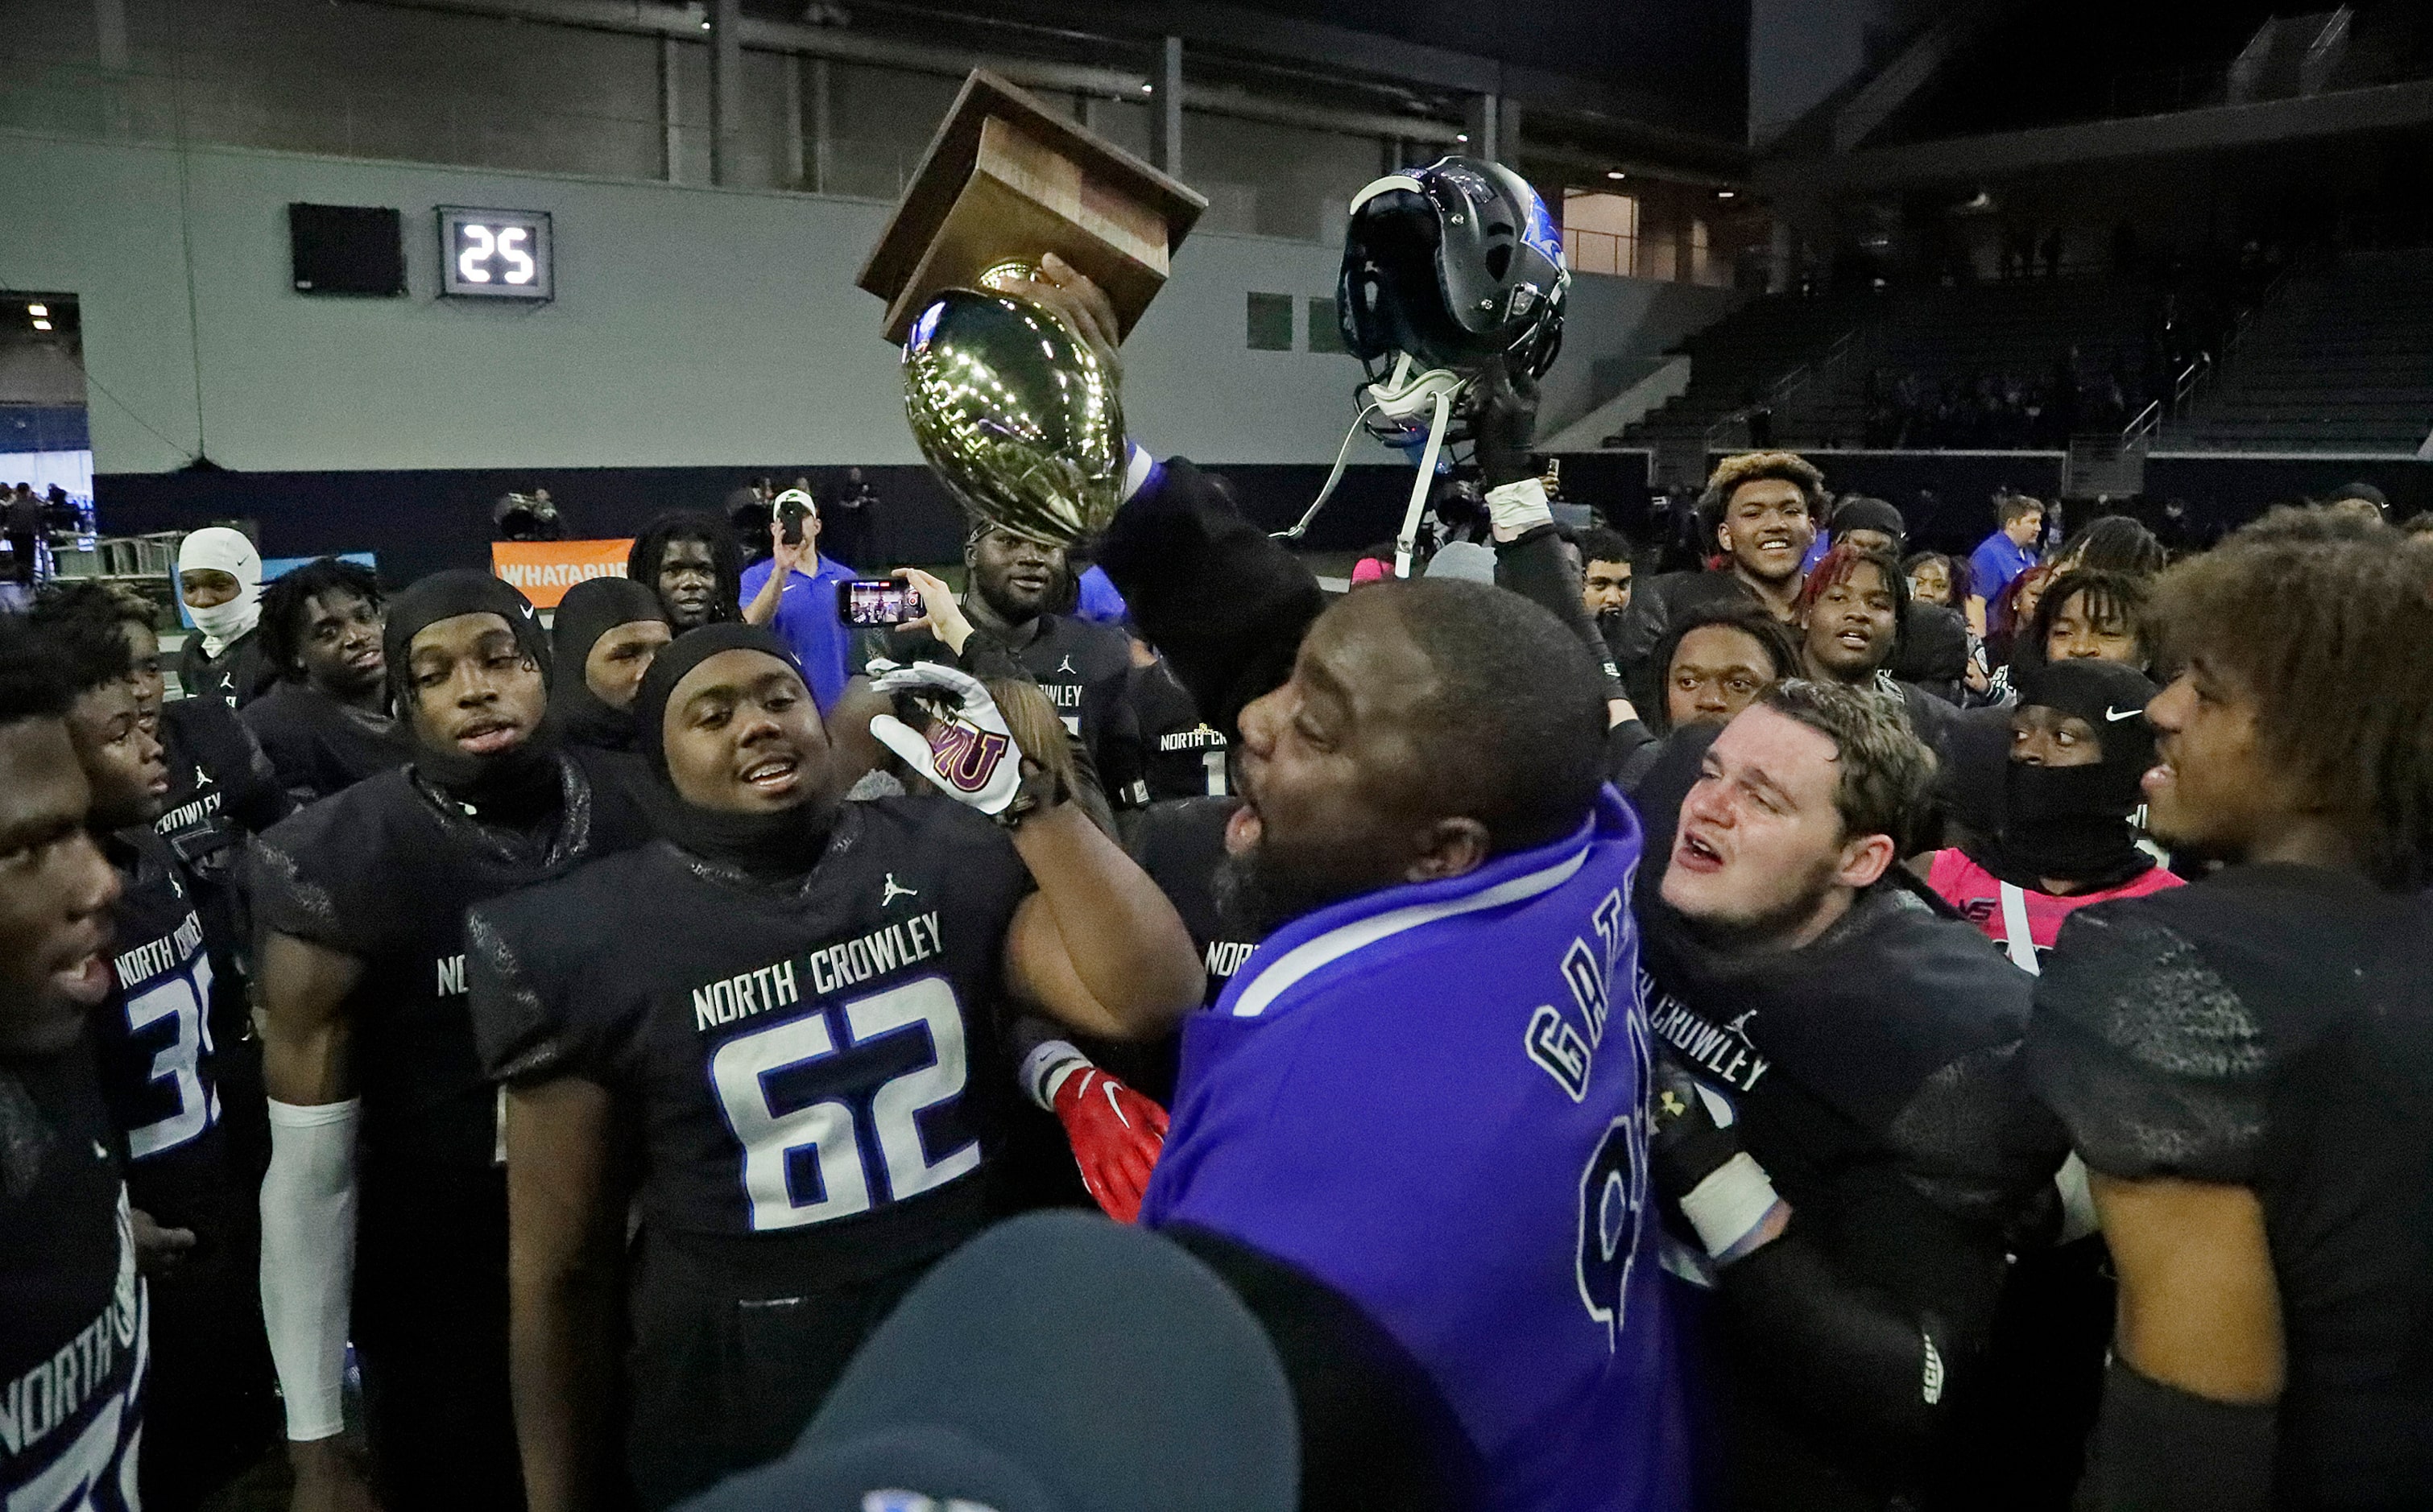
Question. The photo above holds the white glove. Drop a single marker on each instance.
(1516, 508)
(968, 751)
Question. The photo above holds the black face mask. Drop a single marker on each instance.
(769, 846)
(2069, 824)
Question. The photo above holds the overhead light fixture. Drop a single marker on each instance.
(1615, 173)
(1461, 136)
(40, 312)
(41, 325)
(1148, 89)
(1725, 193)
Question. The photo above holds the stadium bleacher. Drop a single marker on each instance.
(2342, 361)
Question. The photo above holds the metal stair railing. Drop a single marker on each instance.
(1789, 385)
(2193, 380)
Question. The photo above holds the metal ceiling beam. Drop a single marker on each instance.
(2212, 129)
(679, 23)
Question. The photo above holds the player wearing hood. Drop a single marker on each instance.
(219, 581)
(384, 1133)
(607, 632)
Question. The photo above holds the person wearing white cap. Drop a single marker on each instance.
(219, 581)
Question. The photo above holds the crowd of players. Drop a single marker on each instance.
(1830, 1030)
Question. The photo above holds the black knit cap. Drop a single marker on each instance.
(1867, 514)
(681, 655)
(459, 591)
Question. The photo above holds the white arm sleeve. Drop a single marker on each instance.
(308, 1258)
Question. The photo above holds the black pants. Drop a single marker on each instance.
(211, 1406)
(732, 1356)
(20, 555)
(431, 1336)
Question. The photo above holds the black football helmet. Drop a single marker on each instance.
(1454, 264)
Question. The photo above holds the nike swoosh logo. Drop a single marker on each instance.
(2117, 714)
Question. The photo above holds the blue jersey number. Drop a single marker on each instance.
(811, 1161)
(1611, 1195)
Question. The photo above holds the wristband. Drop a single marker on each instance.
(1514, 508)
(1046, 1067)
(1728, 1205)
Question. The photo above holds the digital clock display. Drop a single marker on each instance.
(494, 254)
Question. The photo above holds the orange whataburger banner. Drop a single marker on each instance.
(545, 569)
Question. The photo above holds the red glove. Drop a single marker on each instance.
(1117, 1134)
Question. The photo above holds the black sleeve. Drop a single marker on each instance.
(522, 1023)
(1627, 751)
(1879, 1370)
(1644, 624)
(2152, 1058)
(1535, 566)
(1224, 604)
(301, 885)
(254, 797)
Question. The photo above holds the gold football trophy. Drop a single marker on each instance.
(1017, 415)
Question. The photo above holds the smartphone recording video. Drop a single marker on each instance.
(874, 602)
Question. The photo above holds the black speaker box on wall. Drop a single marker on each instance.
(347, 250)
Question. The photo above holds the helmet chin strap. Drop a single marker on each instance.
(1410, 533)
(1402, 395)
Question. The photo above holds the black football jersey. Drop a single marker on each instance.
(73, 1311)
(2272, 1028)
(156, 1045)
(822, 1058)
(1085, 669)
(1179, 843)
(220, 786)
(1881, 1052)
(318, 746)
(383, 872)
(1181, 757)
(238, 675)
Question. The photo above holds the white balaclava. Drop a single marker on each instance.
(219, 549)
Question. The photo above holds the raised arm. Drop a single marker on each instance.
(1099, 947)
(1223, 603)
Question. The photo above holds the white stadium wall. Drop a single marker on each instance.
(693, 327)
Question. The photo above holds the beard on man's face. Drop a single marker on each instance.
(1259, 891)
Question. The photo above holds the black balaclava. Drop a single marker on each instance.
(590, 610)
(784, 843)
(2071, 823)
(518, 789)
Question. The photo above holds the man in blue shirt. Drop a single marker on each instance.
(2004, 555)
(794, 593)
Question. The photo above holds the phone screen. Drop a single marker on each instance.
(872, 601)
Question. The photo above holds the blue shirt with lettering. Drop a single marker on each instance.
(1430, 1097)
(807, 621)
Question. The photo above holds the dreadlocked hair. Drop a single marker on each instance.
(726, 556)
(2342, 668)
(2107, 595)
(288, 606)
